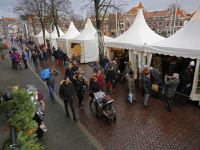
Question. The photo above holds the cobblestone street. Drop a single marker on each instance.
(136, 127)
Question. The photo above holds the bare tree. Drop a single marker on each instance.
(58, 8)
(77, 19)
(173, 5)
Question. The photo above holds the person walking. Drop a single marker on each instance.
(99, 79)
(27, 50)
(41, 58)
(74, 66)
(49, 52)
(78, 83)
(34, 58)
(110, 78)
(171, 86)
(66, 93)
(24, 58)
(186, 79)
(94, 88)
(45, 54)
(155, 78)
(130, 85)
(74, 58)
(104, 61)
(146, 84)
(69, 72)
(116, 73)
(96, 66)
(12, 40)
(51, 82)
(61, 55)
(68, 62)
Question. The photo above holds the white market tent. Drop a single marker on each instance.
(185, 43)
(87, 41)
(53, 36)
(39, 37)
(63, 42)
(134, 39)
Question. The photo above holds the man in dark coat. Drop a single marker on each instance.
(155, 78)
(110, 77)
(171, 86)
(66, 93)
(34, 58)
(78, 83)
(104, 61)
(74, 58)
(61, 55)
(186, 79)
(146, 85)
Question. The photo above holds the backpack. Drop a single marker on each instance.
(15, 57)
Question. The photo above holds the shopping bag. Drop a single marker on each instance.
(155, 87)
(45, 74)
(59, 62)
(130, 97)
(109, 85)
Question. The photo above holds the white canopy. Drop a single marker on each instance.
(185, 43)
(136, 36)
(71, 32)
(39, 37)
(41, 34)
(54, 34)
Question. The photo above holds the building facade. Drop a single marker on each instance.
(7, 24)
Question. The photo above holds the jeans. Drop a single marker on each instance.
(170, 102)
(146, 97)
(157, 82)
(25, 63)
(80, 97)
(51, 89)
(183, 87)
(72, 107)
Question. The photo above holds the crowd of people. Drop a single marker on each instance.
(75, 80)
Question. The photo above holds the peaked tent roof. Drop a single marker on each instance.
(41, 34)
(71, 32)
(88, 33)
(54, 34)
(185, 43)
(136, 36)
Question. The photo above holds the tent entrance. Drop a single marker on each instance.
(76, 49)
(48, 43)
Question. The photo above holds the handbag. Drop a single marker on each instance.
(59, 62)
(155, 87)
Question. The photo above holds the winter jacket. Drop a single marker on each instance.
(104, 62)
(41, 57)
(75, 59)
(55, 54)
(78, 83)
(60, 54)
(110, 76)
(66, 91)
(24, 56)
(18, 56)
(67, 63)
(34, 57)
(106, 68)
(65, 56)
(51, 79)
(94, 88)
(95, 68)
(154, 76)
(69, 73)
(146, 85)
(116, 71)
(74, 68)
(172, 85)
(100, 80)
(130, 83)
(187, 76)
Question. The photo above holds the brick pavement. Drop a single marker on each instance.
(137, 128)
(63, 133)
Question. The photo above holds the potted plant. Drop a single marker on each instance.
(3, 56)
(1, 47)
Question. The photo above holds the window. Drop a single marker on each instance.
(162, 17)
(159, 30)
(122, 21)
(131, 12)
(132, 17)
(160, 23)
(127, 24)
(178, 16)
(167, 24)
(150, 18)
(176, 24)
(150, 23)
(154, 23)
(127, 17)
(154, 18)
(181, 23)
(154, 29)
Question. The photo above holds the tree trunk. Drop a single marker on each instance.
(43, 30)
(54, 13)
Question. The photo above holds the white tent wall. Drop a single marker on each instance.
(63, 45)
(54, 43)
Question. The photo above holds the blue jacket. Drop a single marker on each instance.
(69, 73)
(24, 56)
(104, 61)
(106, 67)
(65, 56)
(61, 54)
(146, 85)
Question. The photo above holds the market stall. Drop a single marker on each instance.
(39, 38)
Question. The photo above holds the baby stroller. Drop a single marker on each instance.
(104, 107)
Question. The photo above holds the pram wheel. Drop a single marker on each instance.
(115, 118)
(108, 120)
(97, 115)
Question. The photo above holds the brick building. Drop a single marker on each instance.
(1, 28)
(7, 23)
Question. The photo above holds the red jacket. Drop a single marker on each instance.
(100, 80)
(19, 57)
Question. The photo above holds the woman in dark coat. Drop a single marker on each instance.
(69, 72)
(110, 77)
(94, 88)
(55, 54)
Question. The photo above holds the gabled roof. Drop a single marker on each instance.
(71, 32)
(134, 9)
(179, 12)
(155, 14)
(5, 19)
(41, 34)
(54, 34)
(122, 16)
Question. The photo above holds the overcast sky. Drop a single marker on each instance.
(152, 5)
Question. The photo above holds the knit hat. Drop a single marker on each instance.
(176, 75)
